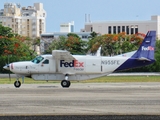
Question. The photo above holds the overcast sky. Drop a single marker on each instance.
(62, 11)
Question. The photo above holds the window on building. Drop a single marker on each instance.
(91, 29)
(136, 28)
(43, 14)
(127, 29)
(27, 21)
(47, 37)
(109, 29)
(132, 29)
(40, 20)
(114, 29)
(84, 36)
(123, 28)
(119, 29)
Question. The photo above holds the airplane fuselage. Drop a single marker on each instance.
(81, 68)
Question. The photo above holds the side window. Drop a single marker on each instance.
(46, 61)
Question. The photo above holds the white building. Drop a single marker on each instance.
(26, 21)
(67, 27)
(130, 27)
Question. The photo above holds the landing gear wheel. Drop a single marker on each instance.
(65, 83)
(17, 84)
(69, 83)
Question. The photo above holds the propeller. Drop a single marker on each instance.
(9, 69)
(6, 67)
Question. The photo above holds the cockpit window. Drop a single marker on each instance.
(37, 59)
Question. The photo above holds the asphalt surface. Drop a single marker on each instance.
(81, 101)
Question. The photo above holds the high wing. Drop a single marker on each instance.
(61, 54)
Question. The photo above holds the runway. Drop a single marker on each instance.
(81, 99)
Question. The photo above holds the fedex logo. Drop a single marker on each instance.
(150, 48)
(73, 63)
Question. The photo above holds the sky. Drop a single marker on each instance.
(64, 11)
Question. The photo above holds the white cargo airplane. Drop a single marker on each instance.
(61, 65)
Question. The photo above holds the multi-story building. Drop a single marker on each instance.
(26, 21)
(67, 27)
(130, 27)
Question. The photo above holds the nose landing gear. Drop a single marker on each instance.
(17, 83)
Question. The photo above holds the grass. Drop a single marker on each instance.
(108, 79)
(112, 79)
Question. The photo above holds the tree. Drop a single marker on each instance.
(57, 44)
(72, 43)
(93, 34)
(13, 47)
(113, 44)
(73, 35)
(75, 45)
(6, 31)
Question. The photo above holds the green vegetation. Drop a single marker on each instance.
(13, 47)
(106, 79)
(115, 79)
(72, 43)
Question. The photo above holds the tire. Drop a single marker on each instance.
(69, 83)
(65, 83)
(17, 84)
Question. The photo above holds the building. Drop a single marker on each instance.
(47, 38)
(130, 27)
(26, 21)
(67, 27)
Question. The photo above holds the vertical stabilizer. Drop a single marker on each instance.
(146, 50)
(144, 55)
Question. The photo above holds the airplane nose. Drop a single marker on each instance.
(6, 67)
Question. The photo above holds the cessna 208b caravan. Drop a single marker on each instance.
(61, 65)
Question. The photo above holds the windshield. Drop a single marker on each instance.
(37, 59)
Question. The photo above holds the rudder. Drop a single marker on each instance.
(147, 48)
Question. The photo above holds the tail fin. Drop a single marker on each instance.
(98, 53)
(144, 55)
(146, 50)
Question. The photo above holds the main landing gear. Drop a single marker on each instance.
(65, 83)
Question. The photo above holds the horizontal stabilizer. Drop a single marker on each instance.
(62, 55)
(143, 59)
